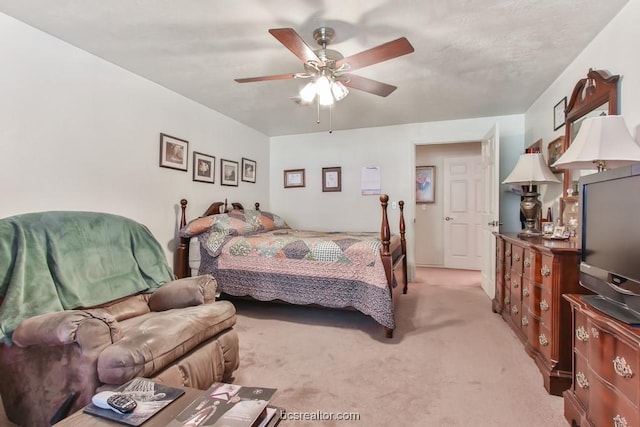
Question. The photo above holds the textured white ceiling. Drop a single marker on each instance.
(473, 58)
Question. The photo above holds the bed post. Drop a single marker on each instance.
(181, 262)
(403, 243)
(385, 236)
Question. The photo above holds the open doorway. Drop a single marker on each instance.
(447, 229)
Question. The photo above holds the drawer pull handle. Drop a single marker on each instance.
(506, 300)
(525, 321)
(619, 421)
(514, 309)
(622, 367)
(525, 292)
(506, 276)
(595, 333)
(542, 339)
(544, 305)
(527, 263)
(582, 334)
(582, 381)
(507, 252)
(545, 271)
(517, 257)
(514, 283)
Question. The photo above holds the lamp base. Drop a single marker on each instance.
(530, 208)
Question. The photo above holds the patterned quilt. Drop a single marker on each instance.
(275, 262)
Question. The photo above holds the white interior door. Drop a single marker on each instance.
(462, 219)
(490, 206)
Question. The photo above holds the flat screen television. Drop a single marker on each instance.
(610, 241)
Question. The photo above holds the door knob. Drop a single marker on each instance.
(448, 218)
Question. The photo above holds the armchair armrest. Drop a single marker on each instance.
(64, 327)
(185, 292)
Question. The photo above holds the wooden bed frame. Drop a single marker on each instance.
(391, 260)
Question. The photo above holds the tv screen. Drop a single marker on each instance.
(611, 232)
(610, 242)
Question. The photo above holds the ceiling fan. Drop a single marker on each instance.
(329, 70)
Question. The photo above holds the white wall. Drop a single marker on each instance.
(78, 133)
(393, 149)
(614, 50)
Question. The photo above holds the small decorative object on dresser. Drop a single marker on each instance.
(173, 152)
(249, 170)
(228, 172)
(204, 167)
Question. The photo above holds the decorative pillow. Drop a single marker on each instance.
(197, 226)
(257, 221)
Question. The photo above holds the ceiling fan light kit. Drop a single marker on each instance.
(330, 70)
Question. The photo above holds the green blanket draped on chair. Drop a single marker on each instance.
(53, 261)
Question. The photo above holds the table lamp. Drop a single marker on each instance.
(602, 142)
(530, 169)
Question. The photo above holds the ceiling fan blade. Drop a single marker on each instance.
(266, 78)
(292, 41)
(384, 52)
(367, 85)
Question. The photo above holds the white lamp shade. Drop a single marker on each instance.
(600, 139)
(531, 169)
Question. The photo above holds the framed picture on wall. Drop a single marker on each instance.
(203, 167)
(332, 179)
(293, 178)
(173, 152)
(248, 170)
(425, 184)
(558, 113)
(228, 172)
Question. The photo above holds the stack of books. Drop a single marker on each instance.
(230, 405)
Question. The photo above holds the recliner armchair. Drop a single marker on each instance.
(170, 330)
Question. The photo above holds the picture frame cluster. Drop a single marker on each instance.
(331, 178)
(174, 154)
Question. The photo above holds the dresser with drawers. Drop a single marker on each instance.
(531, 277)
(606, 360)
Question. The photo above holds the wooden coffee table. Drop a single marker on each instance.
(162, 418)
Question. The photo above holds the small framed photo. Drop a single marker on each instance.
(173, 152)
(559, 231)
(228, 172)
(425, 184)
(293, 178)
(203, 167)
(558, 113)
(332, 179)
(547, 228)
(248, 170)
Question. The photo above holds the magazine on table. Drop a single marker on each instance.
(150, 398)
(228, 405)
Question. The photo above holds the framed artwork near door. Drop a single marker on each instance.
(425, 184)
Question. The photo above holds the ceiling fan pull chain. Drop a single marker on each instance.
(318, 107)
(330, 117)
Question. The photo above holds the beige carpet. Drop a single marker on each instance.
(452, 362)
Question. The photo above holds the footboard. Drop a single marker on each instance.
(396, 258)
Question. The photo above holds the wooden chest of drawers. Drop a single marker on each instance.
(606, 357)
(531, 276)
